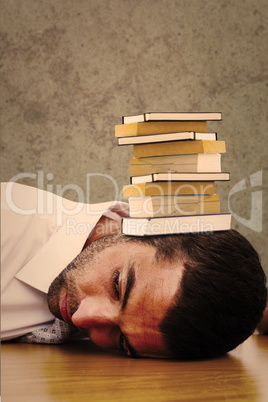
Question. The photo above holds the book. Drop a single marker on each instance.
(169, 187)
(175, 163)
(150, 139)
(169, 176)
(170, 116)
(179, 147)
(173, 205)
(175, 225)
(159, 127)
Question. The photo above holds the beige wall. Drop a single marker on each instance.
(71, 69)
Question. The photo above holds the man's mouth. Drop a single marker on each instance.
(64, 310)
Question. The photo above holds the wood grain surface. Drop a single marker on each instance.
(78, 371)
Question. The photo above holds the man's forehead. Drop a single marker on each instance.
(152, 296)
(157, 282)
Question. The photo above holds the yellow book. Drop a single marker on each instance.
(166, 188)
(176, 163)
(160, 127)
(179, 147)
(170, 205)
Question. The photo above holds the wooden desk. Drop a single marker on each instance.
(80, 372)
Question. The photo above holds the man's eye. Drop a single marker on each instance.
(115, 283)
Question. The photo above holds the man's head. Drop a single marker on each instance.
(182, 296)
(118, 292)
(221, 297)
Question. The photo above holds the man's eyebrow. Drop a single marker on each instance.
(130, 283)
(131, 350)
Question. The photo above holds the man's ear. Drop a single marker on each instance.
(263, 324)
(104, 227)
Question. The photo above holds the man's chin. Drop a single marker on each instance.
(53, 300)
(54, 308)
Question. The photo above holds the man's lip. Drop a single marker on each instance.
(64, 310)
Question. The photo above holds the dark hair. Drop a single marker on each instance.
(221, 297)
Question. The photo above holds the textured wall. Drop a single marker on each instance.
(70, 69)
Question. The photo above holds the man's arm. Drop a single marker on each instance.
(263, 325)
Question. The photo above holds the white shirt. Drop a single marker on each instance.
(41, 233)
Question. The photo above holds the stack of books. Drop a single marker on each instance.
(173, 172)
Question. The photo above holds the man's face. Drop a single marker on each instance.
(118, 292)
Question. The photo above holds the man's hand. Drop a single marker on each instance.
(104, 227)
(107, 226)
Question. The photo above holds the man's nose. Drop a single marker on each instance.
(99, 316)
(95, 312)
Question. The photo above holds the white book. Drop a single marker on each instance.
(175, 224)
(170, 116)
(147, 139)
(169, 176)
